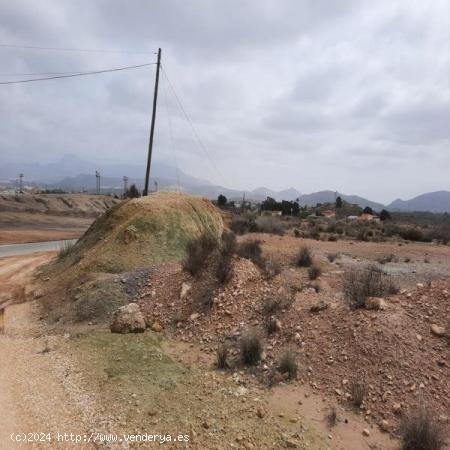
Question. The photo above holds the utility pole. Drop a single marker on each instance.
(125, 184)
(97, 182)
(21, 183)
(152, 127)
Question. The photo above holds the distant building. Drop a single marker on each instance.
(368, 217)
(329, 213)
(270, 213)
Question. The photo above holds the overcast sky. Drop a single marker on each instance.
(345, 95)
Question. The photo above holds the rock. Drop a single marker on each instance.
(384, 426)
(194, 316)
(419, 285)
(437, 330)
(375, 303)
(397, 408)
(37, 294)
(320, 306)
(157, 327)
(291, 444)
(366, 432)
(185, 289)
(128, 319)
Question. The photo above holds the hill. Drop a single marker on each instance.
(437, 202)
(329, 197)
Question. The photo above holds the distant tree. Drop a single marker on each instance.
(385, 215)
(221, 200)
(368, 210)
(132, 192)
(270, 204)
(286, 208)
(339, 202)
(295, 208)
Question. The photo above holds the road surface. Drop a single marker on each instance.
(34, 247)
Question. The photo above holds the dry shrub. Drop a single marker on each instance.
(271, 267)
(271, 306)
(332, 256)
(197, 252)
(359, 284)
(243, 223)
(314, 272)
(420, 431)
(222, 356)
(297, 232)
(251, 250)
(288, 364)
(269, 224)
(66, 249)
(387, 259)
(251, 348)
(225, 257)
(203, 299)
(303, 257)
(358, 390)
(332, 417)
(271, 325)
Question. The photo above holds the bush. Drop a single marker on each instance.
(332, 417)
(288, 365)
(314, 272)
(225, 257)
(419, 431)
(332, 256)
(358, 390)
(271, 267)
(251, 250)
(251, 348)
(269, 224)
(304, 257)
(297, 233)
(197, 252)
(412, 234)
(221, 356)
(243, 223)
(271, 306)
(132, 192)
(368, 282)
(203, 299)
(66, 249)
(271, 325)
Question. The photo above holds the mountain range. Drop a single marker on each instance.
(74, 173)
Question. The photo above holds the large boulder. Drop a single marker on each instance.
(128, 319)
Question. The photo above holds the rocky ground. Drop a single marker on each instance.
(396, 353)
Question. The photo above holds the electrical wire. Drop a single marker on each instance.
(66, 49)
(169, 122)
(78, 74)
(190, 122)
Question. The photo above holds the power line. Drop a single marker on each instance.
(169, 122)
(80, 74)
(189, 120)
(67, 49)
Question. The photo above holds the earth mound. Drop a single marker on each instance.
(139, 232)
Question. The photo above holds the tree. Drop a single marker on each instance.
(132, 192)
(368, 210)
(385, 215)
(221, 200)
(295, 208)
(270, 204)
(286, 208)
(339, 202)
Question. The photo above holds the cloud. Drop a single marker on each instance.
(308, 94)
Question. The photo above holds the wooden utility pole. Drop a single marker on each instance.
(152, 127)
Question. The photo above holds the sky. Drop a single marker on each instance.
(352, 96)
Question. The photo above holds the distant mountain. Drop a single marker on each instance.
(71, 166)
(329, 197)
(437, 202)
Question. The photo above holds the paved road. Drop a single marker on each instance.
(24, 249)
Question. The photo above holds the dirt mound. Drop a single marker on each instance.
(79, 205)
(139, 232)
